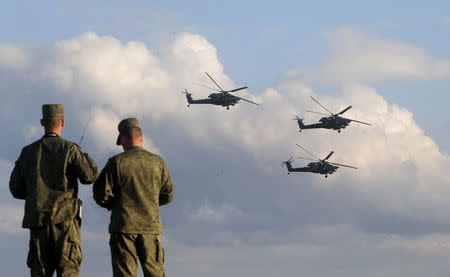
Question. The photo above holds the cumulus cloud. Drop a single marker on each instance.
(316, 251)
(105, 79)
(226, 164)
(208, 214)
(10, 213)
(11, 219)
(446, 20)
(361, 58)
(12, 57)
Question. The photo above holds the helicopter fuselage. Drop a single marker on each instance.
(315, 167)
(221, 99)
(334, 122)
(322, 167)
(329, 122)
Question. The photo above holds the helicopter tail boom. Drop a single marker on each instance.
(188, 96)
(300, 123)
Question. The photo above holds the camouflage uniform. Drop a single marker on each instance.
(133, 185)
(45, 176)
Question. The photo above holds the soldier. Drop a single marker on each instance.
(132, 186)
(45, 176)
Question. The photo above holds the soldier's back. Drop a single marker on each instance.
(137, 190)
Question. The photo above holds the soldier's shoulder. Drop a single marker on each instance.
(133, 154)
(68, 142)
(116, 158)
(153, 155)
(31, 146)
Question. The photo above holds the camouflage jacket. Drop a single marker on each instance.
(45, 176)
(133, 185)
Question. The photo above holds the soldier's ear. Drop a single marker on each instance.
(42, 122)
(62, 122)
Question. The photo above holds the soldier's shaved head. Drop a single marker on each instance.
(53, 118)
(130, 138)
(52, 122)
(133, 133)
(130, 133)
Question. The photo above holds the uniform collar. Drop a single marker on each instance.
(134, 148)
(51, 135)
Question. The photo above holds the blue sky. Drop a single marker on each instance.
(256, 42)
(236, 212)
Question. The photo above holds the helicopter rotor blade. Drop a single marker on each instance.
(357, 121)
(236, 89)
(329, 155)
(206, 87)
(343, 111)
(315, 112)
(322, 106)
(215, 82)
(240, 98)
(344, 165)
(307, 151)
(304, 158)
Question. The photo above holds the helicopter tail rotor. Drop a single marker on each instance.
(188, 96)
(186, 92)
(288, 162)
(299, 122)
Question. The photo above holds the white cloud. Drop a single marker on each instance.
(10, 219)
(315, 251)
(220, 215)
(446, 20)
(402, 180)
(115, 80)
(10, 213)
(32, 132)
(12, 57)
(360, 58)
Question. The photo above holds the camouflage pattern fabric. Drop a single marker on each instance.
(45, 175)
(55, 248)
(52, 110)
(133, 185)
(126, 249)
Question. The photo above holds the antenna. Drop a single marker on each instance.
(85, 127)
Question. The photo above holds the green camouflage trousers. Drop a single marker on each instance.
(126, 249)
(55, 248)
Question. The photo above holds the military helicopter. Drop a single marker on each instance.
(335, 121)
(222, 98)
(322, 166)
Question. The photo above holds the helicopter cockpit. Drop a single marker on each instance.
(214, 95)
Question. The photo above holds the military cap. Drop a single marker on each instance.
(52, 110)
(125, 125)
